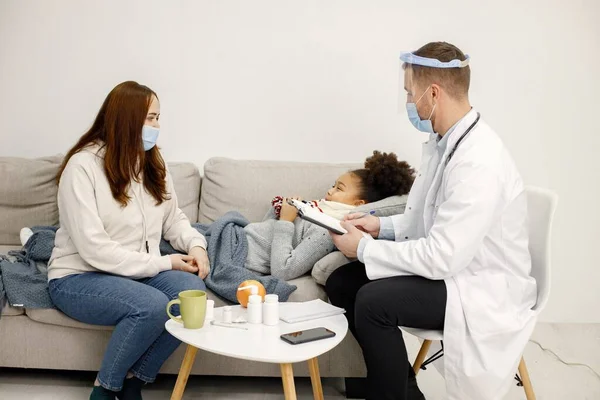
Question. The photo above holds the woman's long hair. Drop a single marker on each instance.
(118, 129)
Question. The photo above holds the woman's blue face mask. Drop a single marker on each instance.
(149, 136)
(424, 125)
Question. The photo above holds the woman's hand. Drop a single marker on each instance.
(288, 212)
(180, 262)
(200, 260)
(369, 223)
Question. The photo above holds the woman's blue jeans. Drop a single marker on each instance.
(136, 308)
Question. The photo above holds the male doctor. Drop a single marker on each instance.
(457, 259)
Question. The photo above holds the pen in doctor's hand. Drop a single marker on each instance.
(360, 215)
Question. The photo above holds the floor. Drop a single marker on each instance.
(552, 379)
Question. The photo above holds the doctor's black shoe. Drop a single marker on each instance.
(99, 393)
(132, 389)
(412, 390)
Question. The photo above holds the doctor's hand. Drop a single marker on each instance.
(180, 262)
(369, 223)
(348, 243)
(200, 260)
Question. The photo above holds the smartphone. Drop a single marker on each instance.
(309, 335)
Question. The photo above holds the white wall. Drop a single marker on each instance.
(318, 81)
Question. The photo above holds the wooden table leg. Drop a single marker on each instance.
(287, 376)
(315, 378)
(184, 372)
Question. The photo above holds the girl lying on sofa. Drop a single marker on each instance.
(283, 245)
(287, 247)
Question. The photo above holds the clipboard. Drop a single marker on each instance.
(310, 214)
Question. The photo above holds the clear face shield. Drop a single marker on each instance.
(405, 87)
(407, 99)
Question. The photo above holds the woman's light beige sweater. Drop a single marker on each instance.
(97, 234)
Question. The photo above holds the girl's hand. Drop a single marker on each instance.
(288, 212)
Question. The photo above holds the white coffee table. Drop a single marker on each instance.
(259, 343)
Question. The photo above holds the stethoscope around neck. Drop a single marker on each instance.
(458, 142)
(451, 154)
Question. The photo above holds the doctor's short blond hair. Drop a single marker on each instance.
(455, 81)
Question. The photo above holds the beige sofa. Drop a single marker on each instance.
(48, 339)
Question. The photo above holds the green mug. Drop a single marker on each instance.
(192, 306)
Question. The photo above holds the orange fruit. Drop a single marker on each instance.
(242, 295)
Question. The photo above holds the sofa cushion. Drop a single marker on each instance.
(249, 186)
(326, 265)
(55, 317)
(4, 249)
(307, 289)
(27, 194)
(9, 310)
(187, 182)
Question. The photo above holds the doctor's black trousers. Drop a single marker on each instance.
(375, 309)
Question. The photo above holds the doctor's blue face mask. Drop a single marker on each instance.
(149, 136)
(424, 125)
(411, 108)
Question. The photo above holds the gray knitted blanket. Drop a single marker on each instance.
(24, 278)
(227, 252)
(24, 274)
(39, 246)
(2, 295)
(25, 281)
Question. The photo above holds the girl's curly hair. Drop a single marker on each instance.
(384, 176)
